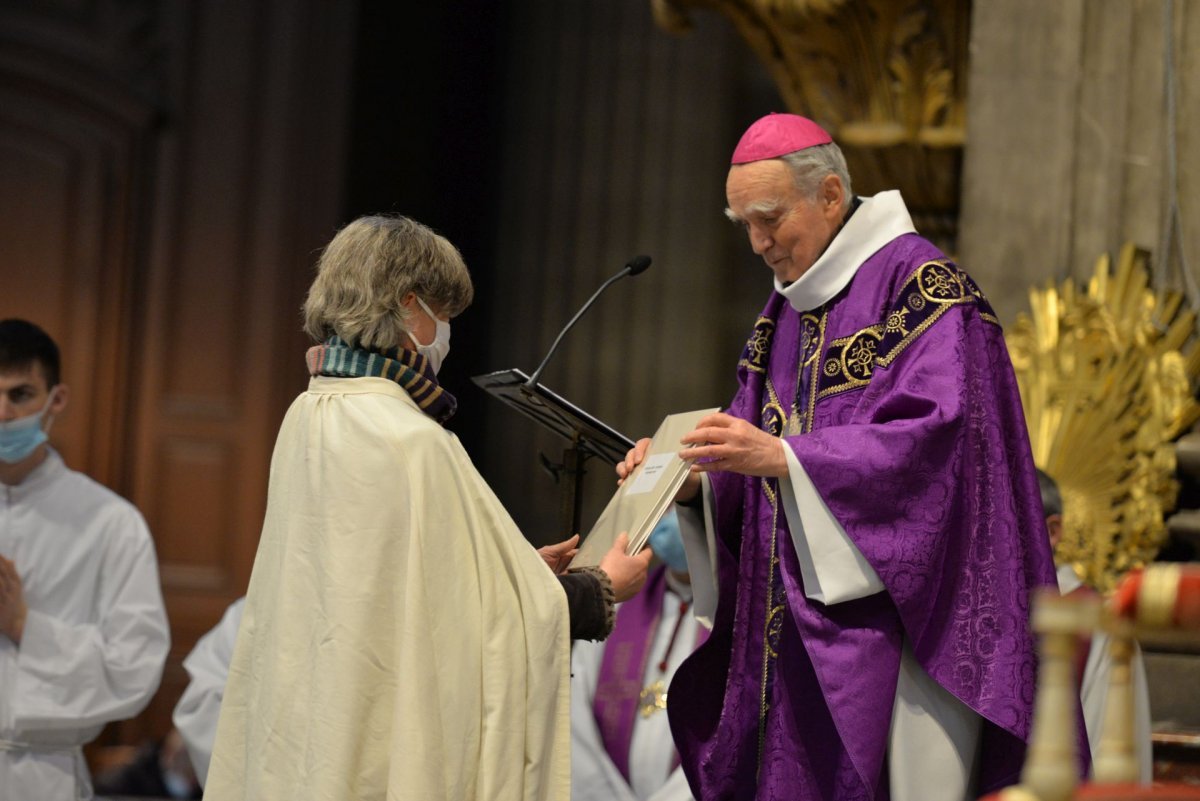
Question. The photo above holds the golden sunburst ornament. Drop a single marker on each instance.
(1107, 376)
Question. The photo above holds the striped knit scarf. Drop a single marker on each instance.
(407, 368)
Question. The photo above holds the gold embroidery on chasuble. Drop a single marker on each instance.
(933, 289)
(773, 417)
(774, 420)
(799, 420)
(939, 283)
(850, 361)
(858, 359)
(758, 347)
(810, 338)
(897, 322)
(777, 423)
(773, 620)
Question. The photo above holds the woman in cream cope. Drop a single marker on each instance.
(401, 639)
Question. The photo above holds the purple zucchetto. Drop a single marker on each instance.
(777, 135)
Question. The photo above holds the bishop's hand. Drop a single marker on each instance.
(635, 456)
(727, 443)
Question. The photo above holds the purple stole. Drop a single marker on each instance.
(623, 668)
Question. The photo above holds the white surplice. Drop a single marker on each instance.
(400, 638)
(207, 665)
(96, 635)
(652, 773)
(934, 737)
(1093, 690)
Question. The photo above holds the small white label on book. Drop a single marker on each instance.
(652, 470)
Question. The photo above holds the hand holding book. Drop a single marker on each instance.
(627, 573)
(637, 454)
(723, 442)
(646, 489)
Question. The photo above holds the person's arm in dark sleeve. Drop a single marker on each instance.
(591, 602)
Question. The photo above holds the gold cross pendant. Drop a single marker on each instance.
(652, 699)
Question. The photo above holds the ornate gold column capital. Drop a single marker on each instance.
(887, 78)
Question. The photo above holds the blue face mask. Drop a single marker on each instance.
(667, 544)
(178, 786)
(19, 438)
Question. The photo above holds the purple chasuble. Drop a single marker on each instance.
(898, 398)
(623, 667)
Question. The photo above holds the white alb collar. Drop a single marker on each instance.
(880, 219)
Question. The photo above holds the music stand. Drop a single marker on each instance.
(587, 435)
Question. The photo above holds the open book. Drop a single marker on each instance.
(645, 495)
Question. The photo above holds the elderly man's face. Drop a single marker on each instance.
(787, 229)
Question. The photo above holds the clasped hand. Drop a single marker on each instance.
(12, 602)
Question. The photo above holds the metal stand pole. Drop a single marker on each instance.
(571, 489)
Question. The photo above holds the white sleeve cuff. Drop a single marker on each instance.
(833, 568)
(699, 543)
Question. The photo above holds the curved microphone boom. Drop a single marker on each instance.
(637, 264)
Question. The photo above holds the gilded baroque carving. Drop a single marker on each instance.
(887, 78)
(876, 72)
(1107, 375)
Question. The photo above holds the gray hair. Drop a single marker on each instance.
(369, 267)
(811, 165)
(1051, 497)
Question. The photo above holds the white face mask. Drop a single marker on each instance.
(437, 350)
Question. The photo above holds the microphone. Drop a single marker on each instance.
(638, 264)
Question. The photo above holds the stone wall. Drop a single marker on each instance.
(1067, 138)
